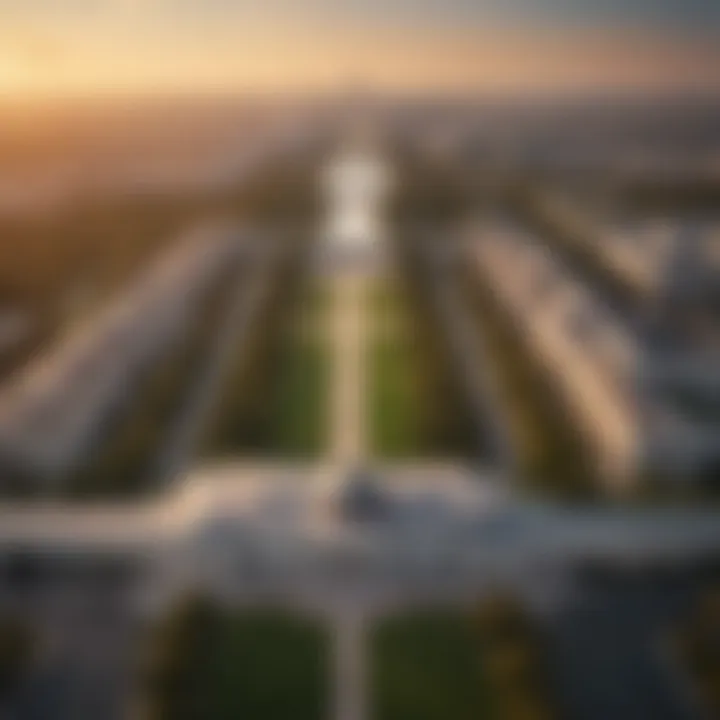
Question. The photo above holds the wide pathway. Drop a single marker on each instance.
(350, 663)
(349, 383)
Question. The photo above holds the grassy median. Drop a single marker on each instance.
(484, 662)
(299, 401)
(425, 666)
(416, 407)
(274, 400)
(396, 406)
(208, 663)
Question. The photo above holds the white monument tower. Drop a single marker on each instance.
(357, 181)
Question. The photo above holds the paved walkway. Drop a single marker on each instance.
(350, 664)
(355, 213)
(349, 383)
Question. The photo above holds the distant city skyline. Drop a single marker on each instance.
(59, 46)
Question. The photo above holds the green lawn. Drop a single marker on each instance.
(212, 664)
(274, 399)
(415, 406)
(300, 395)
(426, 666)
(395, 401)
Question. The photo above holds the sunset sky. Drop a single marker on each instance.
(87, 46)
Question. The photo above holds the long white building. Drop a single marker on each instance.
(599, 365)
(54, 409)
(646, 254)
